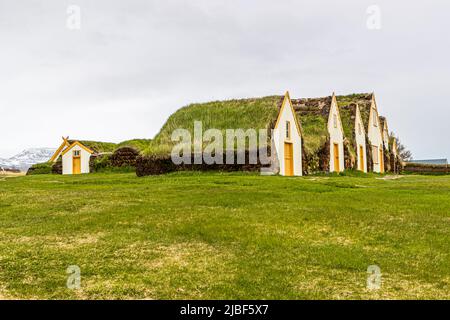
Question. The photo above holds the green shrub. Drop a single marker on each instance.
(101, 162)
(40, 168)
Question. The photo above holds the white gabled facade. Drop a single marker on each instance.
(360, 134)
(74, 155)
(336, 133)
(374, 132)
(288, 140)
(386, 135)
(68, 157)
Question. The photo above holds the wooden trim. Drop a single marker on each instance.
(375, 106)
(76, 156)
(358, 111)
(377, 153)
(288, 130)
(361, 158)
(381, 160)
(59, 150)
(334, 100)
(77, 143)
(287, 98)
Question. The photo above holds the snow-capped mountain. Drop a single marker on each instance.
(27, 158)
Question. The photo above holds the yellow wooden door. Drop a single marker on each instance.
(288, 159)
(76, 165)
(381, 161)
(336, 158)
(361, 158)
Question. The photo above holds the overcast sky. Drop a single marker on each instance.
(134, 62)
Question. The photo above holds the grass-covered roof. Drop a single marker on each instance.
(348, 117)
(255, 113)
(138, 144)
(261, 113)
(363, 100)
(100, 147)
(96, 146)
(312, 114)
(347, 109)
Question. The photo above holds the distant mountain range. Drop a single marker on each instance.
(27, 158)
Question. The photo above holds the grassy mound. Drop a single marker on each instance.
(40, 168)
(257, 113)
(138, 144)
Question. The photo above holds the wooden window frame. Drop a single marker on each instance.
(375, 152)
(288, 130)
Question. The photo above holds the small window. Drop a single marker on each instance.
(359, 129)
(335, 120)
(375, 118)
(76, 153)
(288, 130)
(375, 154)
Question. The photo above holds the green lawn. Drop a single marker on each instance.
(224, 236)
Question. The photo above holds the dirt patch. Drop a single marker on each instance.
(7, 174)
(390, 177)
(68, 242)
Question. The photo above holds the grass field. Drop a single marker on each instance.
(224, 236)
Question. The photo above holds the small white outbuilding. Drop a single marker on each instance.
(75, 157)
(287, 139)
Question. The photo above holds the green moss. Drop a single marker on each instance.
(363, 100)
(348, 123)
(315, 132)
(351, 98)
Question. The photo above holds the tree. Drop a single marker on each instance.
(403, 153)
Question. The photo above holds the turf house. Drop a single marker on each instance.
(75, 157)
(303, 136)
(323, 133)
(355, 137)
